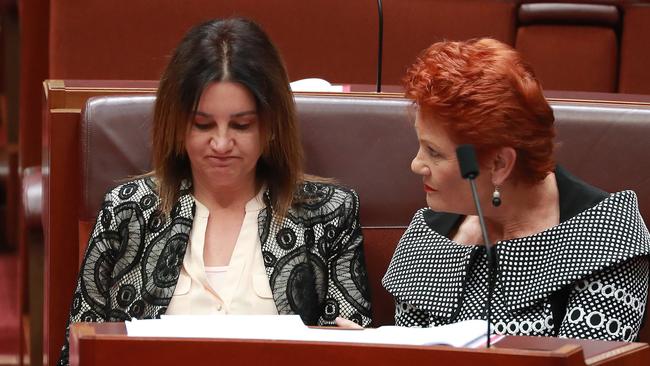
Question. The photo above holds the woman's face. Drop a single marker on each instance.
(223, 141)
(436, 162)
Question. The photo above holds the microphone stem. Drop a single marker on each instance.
(381, 44)
(490, 259)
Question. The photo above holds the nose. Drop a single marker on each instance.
(221, 142)
(418, 166)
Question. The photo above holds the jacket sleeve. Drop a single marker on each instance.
(608, 305)
(90, 299)
(347, 288)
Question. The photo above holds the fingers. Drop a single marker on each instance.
(344, 323)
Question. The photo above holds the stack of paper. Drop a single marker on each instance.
(290, 328)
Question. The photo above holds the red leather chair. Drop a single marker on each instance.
(571, 46)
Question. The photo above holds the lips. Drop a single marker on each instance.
(428, 189)
(221, 160)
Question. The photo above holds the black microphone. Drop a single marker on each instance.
(469, 170)
(381, 44)
(467, 161)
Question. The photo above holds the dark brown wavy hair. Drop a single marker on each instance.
(234, 50)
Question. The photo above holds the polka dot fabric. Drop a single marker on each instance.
(601, 254)
(608, 305)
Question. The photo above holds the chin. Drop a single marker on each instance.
(436, 205)
(219, 180)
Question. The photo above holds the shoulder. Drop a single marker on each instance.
(314, 190)
(312, 196)
(620, 209)
(140, 190)
(608, 233)
(624, 201)
(618, 219)
(424, 238)
(426, 262)
(599, 238)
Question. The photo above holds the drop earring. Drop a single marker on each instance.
(496, 197)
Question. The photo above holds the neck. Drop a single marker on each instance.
(225, 197)
(526, 210)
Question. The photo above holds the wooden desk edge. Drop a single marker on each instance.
(88, 331)
(88, 334)
(617, 353)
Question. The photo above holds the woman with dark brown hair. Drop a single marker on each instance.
(227, 222)
(572, 260)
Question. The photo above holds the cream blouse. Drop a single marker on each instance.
(240, 288)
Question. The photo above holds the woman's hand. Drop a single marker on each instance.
(348, 324)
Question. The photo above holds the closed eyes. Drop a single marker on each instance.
(240, 124)
(433, 153)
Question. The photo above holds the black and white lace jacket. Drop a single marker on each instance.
(314, 256)
(584, 278)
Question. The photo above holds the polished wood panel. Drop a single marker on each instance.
(60, 196)
(104, 343)
(63, 101)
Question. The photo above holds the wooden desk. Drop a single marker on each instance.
(93, 344)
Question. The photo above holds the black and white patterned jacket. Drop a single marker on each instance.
(313, 257)
(584, 278)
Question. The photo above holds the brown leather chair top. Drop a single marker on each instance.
(367, 143)
(115, 145)
(364, 143)
(607, 145)
(568, 13)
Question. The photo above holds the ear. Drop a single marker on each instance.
(503, 163)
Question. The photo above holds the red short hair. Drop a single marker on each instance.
(489, 97)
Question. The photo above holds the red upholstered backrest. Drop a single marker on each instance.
(570, 46)
(634, 73)
(411, 26)
(121, 39)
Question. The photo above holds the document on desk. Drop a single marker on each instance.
(290, 328)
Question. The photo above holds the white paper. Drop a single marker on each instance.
(216, 326)
(314, 85)
(458, 334)
(291, 328)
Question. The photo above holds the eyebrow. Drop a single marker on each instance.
(238, 114)
(430, 143)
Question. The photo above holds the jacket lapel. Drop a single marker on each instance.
(294, 272)
(428, 270)
(268, 228)
(534, 267)
(166, 247)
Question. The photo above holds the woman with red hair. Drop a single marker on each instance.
(572, 260)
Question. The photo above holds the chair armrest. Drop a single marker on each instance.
(32, 196)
